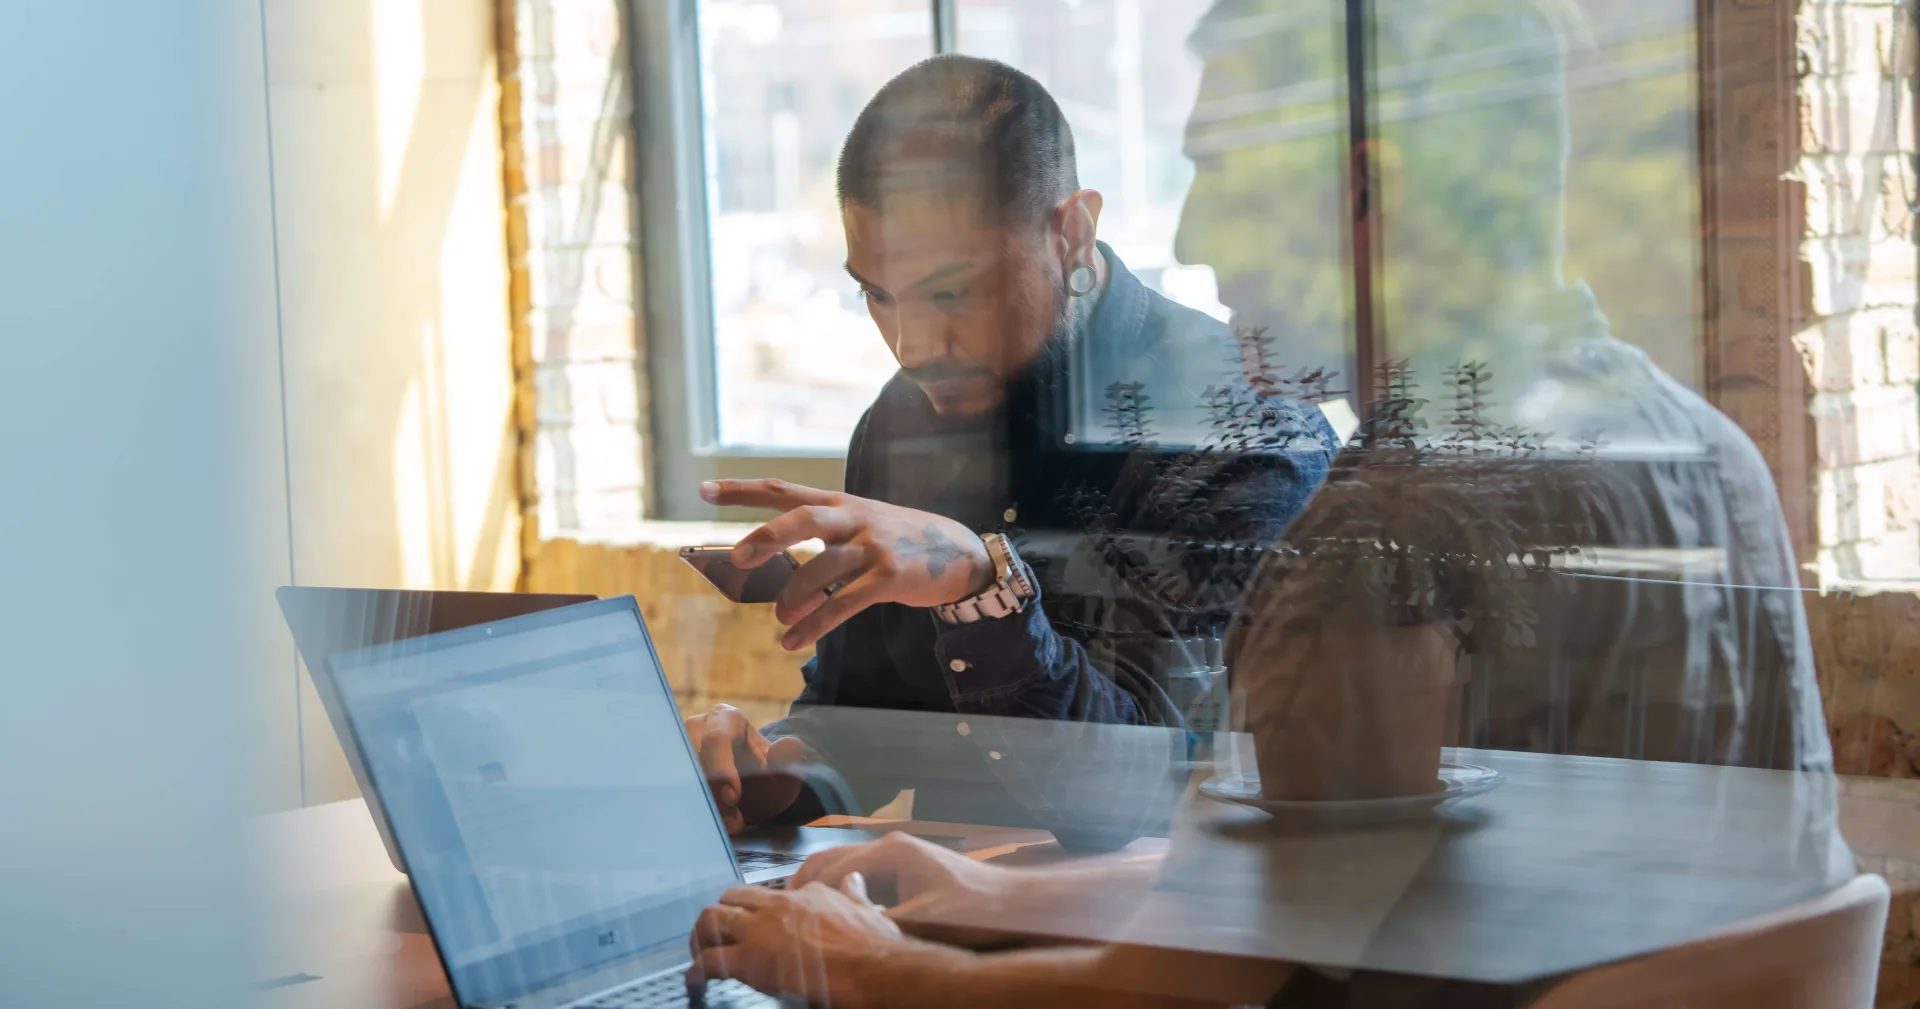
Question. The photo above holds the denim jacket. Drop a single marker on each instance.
(1121, 471)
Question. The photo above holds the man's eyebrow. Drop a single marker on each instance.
(858, 279)
(946, 272)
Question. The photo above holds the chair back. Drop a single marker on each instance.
(1823, 954)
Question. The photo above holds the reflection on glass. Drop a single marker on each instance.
(1268, 137)
(1119, 70)
(1633, 178)
(1521, 146)
(1539, 540)
(797, 359)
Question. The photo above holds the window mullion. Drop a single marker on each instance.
(946, 34)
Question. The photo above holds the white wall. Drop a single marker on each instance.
(392, 244)
(142, 509)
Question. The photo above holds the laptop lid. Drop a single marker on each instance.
(538, 779)
(325, 621)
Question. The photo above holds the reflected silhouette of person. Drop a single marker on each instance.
(1538, 540)
(1606, 548)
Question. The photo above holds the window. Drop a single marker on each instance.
(1123, 74)
(761, 355)
(796, 360)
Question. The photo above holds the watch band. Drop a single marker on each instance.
(1010, 592)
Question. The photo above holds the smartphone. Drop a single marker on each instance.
(759, 585)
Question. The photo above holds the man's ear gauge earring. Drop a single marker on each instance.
(1082, 280)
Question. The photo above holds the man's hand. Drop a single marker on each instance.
(875, 553)
(937, 893)
(743, 769)
(816, 943)
(941, 895)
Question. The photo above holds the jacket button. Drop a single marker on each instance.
(963, 729)
(1010, 514)
(959, 665)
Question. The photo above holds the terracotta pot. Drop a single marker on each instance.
(1350, 711)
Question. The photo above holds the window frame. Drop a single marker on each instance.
(672, 187)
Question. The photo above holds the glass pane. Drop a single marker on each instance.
(1526, 152)
(1217, 143)
(1633, 175)
(1124, 76)
(797, 357)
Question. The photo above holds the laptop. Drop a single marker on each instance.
(326, 621)
(539, 782)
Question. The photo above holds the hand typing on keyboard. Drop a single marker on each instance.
(818, 944)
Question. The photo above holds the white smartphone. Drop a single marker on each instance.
(758, 585)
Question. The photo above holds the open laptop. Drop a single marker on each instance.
(538, 780)
(327, 621)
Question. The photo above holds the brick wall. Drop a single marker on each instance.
(1862, 346)
(1867, 649)
(568, 134)
(1861, 350)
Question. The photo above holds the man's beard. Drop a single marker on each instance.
(1071, 318)
(1045, 370)
(1040, 390)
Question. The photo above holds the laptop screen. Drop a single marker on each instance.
(537, 777)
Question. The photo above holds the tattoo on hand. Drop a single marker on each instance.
(939, 550)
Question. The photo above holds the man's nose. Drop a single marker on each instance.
(921, 338)
(1215, 218)
(1189, 237)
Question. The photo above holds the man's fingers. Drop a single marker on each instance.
(824, 867)
(863, 592)
(855, 886)
(798, 525)
(749, 752)
(710, 932)
(875, 860)
(776, 494)
(751, 897)
(786, 752)
(745, 964)
(714, 927)
(716, 760)
(808, 587)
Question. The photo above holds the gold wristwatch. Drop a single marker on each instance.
(1013, 588)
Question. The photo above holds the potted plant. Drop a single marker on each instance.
(1424, 547)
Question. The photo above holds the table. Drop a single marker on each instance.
(1573, 863)
(343, 930)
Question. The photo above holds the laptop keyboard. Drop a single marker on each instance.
(669, 991)
(766, 859)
